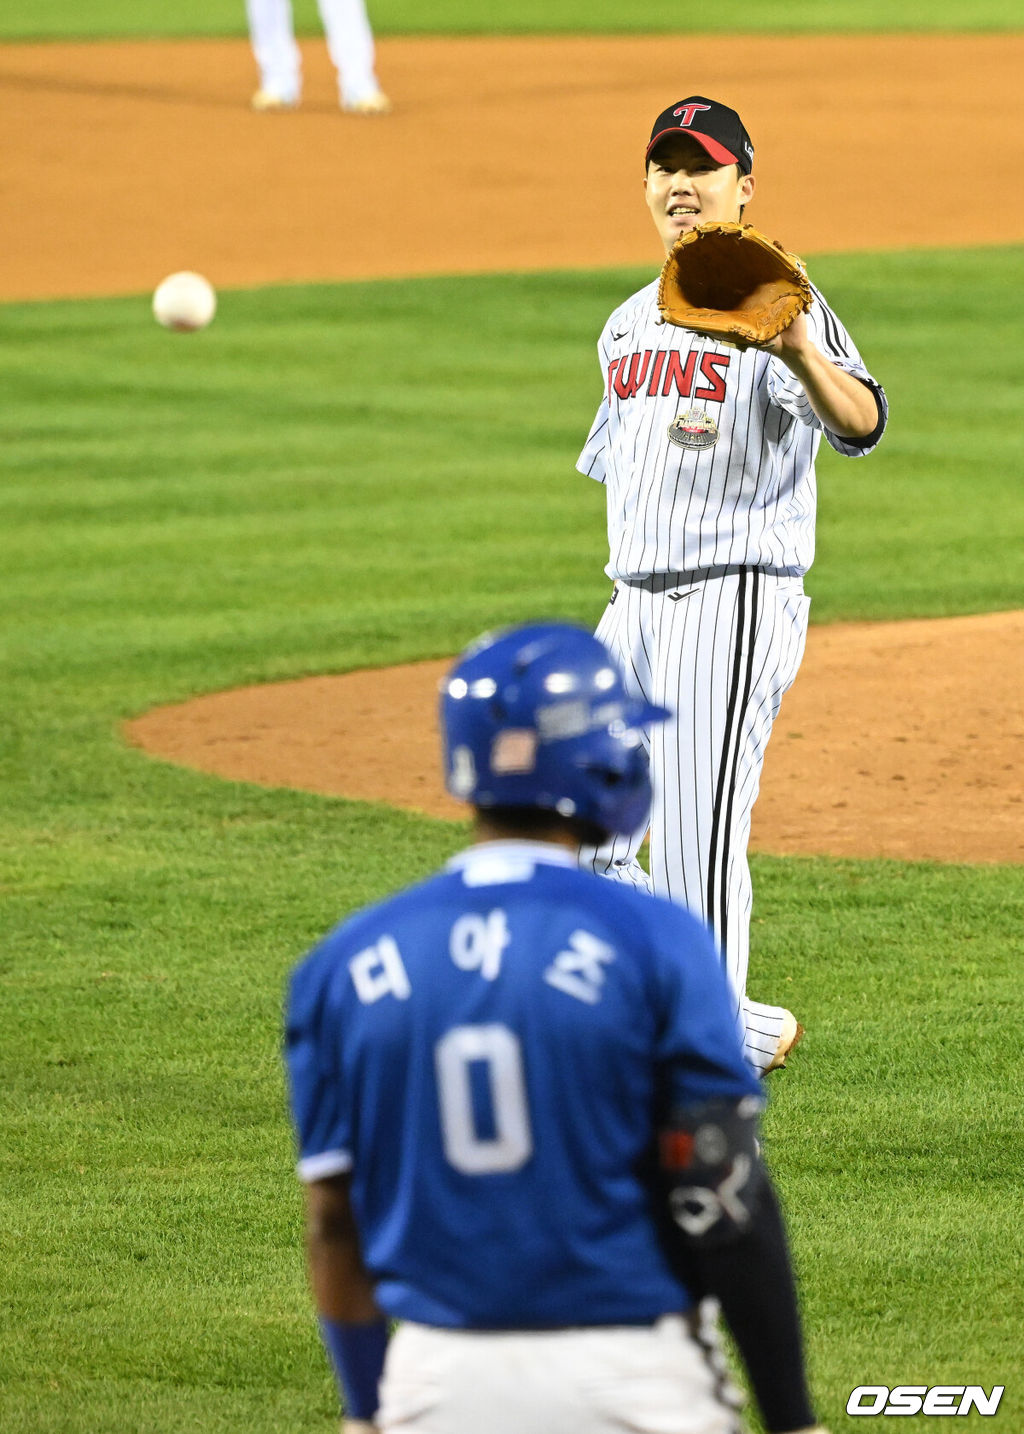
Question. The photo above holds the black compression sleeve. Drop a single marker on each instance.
(752, 1279)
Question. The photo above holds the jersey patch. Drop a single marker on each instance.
(693, 429)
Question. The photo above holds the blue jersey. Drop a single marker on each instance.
(488, 1053)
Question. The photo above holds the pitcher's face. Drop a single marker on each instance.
(685, 187)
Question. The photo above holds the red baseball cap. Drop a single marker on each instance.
(715, 127)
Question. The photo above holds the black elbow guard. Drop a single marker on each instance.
(711, 1168)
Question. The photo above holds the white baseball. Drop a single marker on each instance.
(185, 302)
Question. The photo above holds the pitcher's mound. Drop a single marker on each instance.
(900, 740)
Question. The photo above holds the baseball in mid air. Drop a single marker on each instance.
(184, 302)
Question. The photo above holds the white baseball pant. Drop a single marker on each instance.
(668, 1378)
(719, 648)
(349, 43)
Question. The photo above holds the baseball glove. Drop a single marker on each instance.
(733, 283)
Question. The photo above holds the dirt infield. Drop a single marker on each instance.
(129, 160)
(126, 161)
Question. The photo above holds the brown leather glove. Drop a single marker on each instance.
(732, 283)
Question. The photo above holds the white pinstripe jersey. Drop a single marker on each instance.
(751, 498)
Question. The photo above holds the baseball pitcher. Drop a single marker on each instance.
(705, 442)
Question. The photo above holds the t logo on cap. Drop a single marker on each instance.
(685, 113)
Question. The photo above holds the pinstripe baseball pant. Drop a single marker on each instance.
(719, 648)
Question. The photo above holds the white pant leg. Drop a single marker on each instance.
(657, 1380)
(784, 616)
(728, 649)
(272, 33)
(621, 629)
(350, 45)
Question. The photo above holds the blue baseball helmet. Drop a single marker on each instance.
(538, 716)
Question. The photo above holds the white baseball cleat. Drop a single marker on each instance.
(792, 1030)
(376, 103)
(267, 101)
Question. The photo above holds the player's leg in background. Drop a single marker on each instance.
(351, 47)
(621, 629)
(728, 648)
(272, 32)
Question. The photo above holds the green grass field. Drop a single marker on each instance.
(64, 18)
(336, 476)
